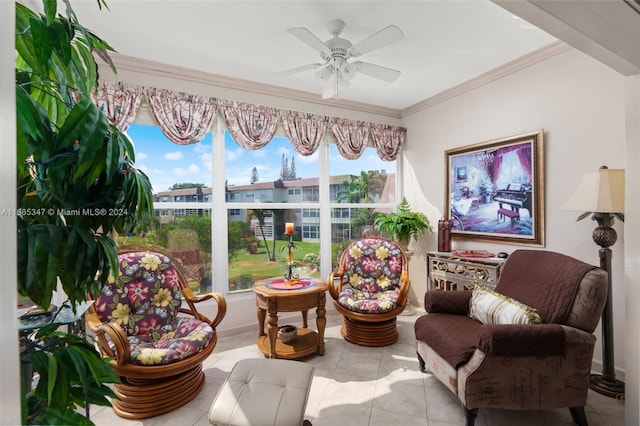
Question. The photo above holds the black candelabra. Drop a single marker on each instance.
(289, 275)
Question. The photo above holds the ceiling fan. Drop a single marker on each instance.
(336, 71)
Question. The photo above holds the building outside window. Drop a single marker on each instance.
(259, 192)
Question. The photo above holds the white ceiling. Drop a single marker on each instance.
(446, 42)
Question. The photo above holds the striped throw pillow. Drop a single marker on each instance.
(490, 307)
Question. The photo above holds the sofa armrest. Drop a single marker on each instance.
(522, 339)
(447, 302)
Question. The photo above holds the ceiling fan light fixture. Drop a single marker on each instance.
(325, 73)
(349, 70)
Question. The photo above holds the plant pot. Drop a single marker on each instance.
(287, 333)
(403, 242)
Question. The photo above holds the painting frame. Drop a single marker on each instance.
(502, 198)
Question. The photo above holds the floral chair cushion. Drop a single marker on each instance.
(373, 268)
(359, 301)
(175, 341)
(145, 301)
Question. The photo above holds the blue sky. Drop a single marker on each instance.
(167, 163)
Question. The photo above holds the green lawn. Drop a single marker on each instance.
(246, 268)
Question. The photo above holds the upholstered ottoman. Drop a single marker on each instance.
(263, 392)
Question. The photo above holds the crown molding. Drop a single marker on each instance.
(495, 74)
(124, 62)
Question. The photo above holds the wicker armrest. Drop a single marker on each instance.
(191, 298)
(334, 283)
(121, 349)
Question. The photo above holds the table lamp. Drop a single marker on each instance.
(601, 194)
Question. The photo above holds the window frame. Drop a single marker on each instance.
(219, 209)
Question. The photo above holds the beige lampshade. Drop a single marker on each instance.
(598, 192)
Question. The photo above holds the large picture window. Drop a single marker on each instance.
(260, 190)
(181, 177)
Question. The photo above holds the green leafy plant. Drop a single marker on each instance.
(403, 224)
(76, 183)
(312, 260)
(69, 375)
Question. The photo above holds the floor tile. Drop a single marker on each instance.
(400, 398)
(386, 418)
(361, 386)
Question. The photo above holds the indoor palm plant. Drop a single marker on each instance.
(76, 184)
(403, 224)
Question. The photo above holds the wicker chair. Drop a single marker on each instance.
(370, 289)
(147, 322)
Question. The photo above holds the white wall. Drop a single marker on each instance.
(9, 373)
(579, 103)
(632, 249)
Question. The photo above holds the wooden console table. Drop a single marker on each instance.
(448, 272)
(271, 300)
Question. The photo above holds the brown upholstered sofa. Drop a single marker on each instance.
(518, 366)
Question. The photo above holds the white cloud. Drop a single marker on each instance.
(202, 148)
(192, 169)
(233, 154)
(141, 156)
(308, 159)
(207, 161)
(175, 155)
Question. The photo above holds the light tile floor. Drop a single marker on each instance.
(356, 386)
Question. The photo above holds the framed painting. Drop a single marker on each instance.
(495, 190)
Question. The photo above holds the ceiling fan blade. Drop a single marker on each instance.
(307, 37)
(377, 71)
(300, 69)
(383, 37)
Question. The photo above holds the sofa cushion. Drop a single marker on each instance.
(490, 307)
(544, 280)
(453, 337)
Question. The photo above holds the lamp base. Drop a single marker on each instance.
(612, 389)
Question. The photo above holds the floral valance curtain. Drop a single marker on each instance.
(351, 137)
(183, 118)
(252, 126)
(388, 140)
(305, 131)
(186, 119)
(119, 101)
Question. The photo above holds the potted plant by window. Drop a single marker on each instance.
(403, 224)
